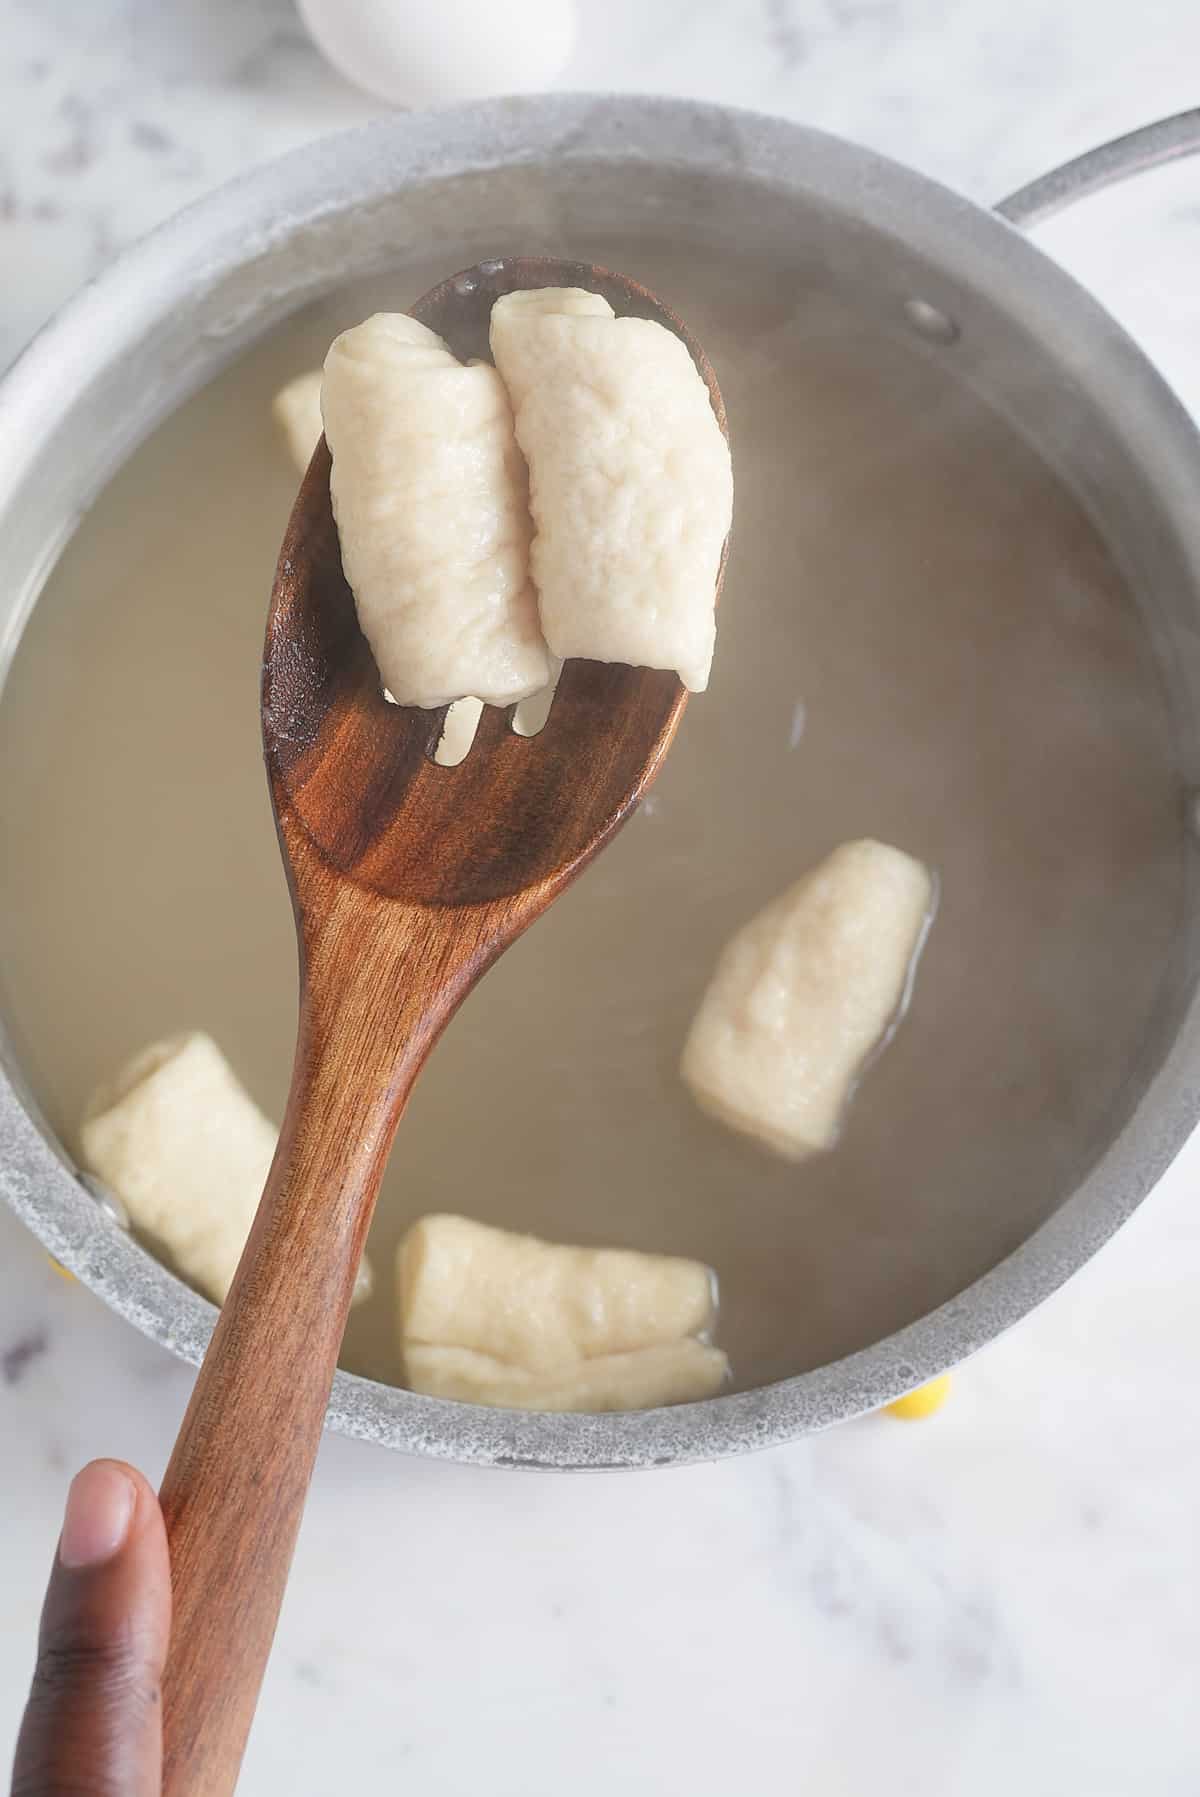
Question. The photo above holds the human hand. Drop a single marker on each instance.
(94, 1718)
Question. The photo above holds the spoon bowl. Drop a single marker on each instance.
(356, 772)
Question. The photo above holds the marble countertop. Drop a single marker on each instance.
(1000, 1600)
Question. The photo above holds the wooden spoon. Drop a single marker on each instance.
(408, 880)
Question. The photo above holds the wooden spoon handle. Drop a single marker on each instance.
(235, 1487)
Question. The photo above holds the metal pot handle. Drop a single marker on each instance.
(1167, 141)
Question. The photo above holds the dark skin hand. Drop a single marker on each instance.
(93, 1723)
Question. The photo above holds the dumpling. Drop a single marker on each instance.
(297, 411)
(429, 494)
(509, 1319)
(185, 1148)
(804, 993)
(630, 483)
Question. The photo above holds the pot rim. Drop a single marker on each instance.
(265, 207)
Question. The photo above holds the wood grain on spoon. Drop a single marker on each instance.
(408, 880)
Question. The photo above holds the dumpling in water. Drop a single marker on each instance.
(297, 412)
(804, 993)
(182, 1144)
(490, 1317)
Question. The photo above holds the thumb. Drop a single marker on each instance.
(93, 1721)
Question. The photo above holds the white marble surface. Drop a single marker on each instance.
(1002, 1600)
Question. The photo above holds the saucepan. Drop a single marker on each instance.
(792, 238)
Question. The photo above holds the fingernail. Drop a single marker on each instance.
(99, 1511)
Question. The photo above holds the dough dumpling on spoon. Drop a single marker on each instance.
(296, 408)
(429, 494)
(630, 482)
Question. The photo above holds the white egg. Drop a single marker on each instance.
(435, 52)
